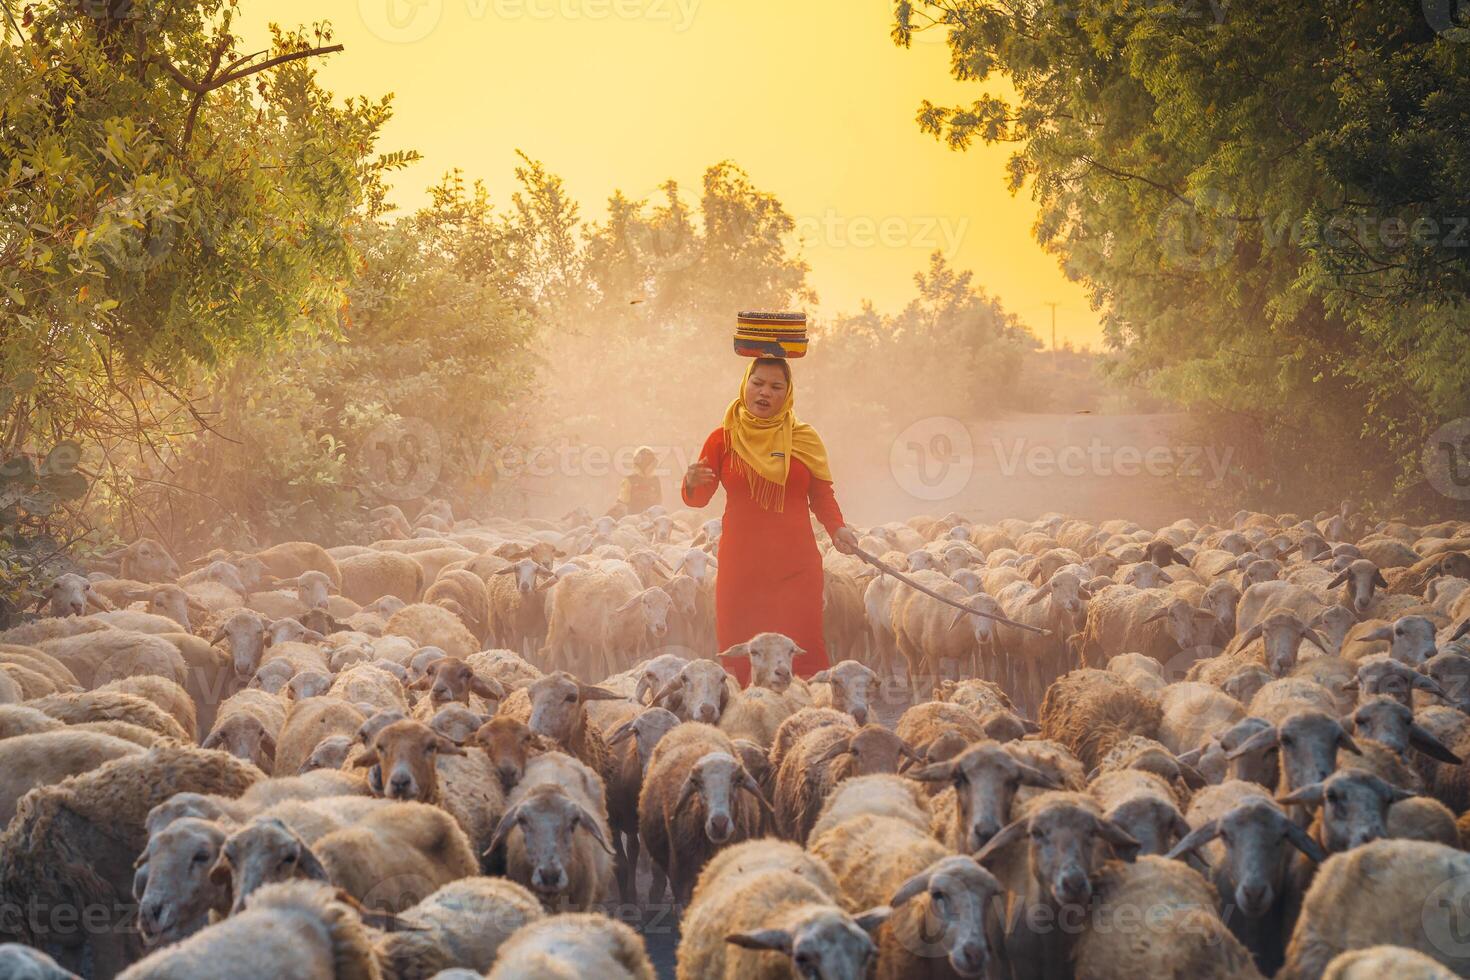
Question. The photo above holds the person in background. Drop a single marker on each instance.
(642, 488)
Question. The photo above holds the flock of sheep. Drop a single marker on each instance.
(1221, 752)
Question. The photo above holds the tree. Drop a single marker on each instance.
(1240, 186)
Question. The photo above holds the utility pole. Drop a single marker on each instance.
(1053, 333)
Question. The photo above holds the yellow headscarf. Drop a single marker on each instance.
(764, 447)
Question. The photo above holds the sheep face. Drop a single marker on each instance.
(1354, 807)
(1147, 575)
(178, 807)
(509, 745)
(1186, 626)
(684, 593)
(290, 631)
(1282, 635)
(71, 595)
(314, 589)
(1395, 680)
(449, 680)
(273, 677)
(853, 686)
(770, 655)
(1359, 579)
(527, 573)
(457, 723)
(309, 684)
(985, 779)
(146, 560)
(367, 732)
(1308, 743)
(921, 561)
(1260, 570)
(330, 753)
(556, 705)
(171, 602)
(652, 605)
(656, 674)
(982, 626)
(698, 693)
(824, 943)
(696, 564)
(406, 753)
(262, 852)
(1151, 820)
(178, 892)
(959, 894)
(1256, 837)
(715, 779)
(1390, 723)
(244, 737)
(1221, 600)
(548, 819)
(244, 634)
(1246, 682)
(1255, 764)
(1451, 672)
(870, 750)
(967, 579)
(1411, 639)
(1333, 624)
(1063, 840)
(954, 559)
(650, 725)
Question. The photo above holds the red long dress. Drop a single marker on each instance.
(770, 573)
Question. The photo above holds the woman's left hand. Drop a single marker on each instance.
(845, 540)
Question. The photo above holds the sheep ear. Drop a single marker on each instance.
(502, 829)
(776, 939)
(839, 747)
(308, 863)
(1424, 682)
(1124, 844)
(957, 619)
(1008, 834)
(1345, 741)
(870, 920)
(749, 784)
(822, 677)
(1031, 776)
(586, 692)
(1192, 777)
(213, 740)
(1316, 639)
(630, 603)
(1381, 633)
(686, 791)
(1302, 841)
(938, 772)
(1258, 742)
(1421, 739)
(622, 732)
(1155, 617)
(368, 758)
(1306, 796)
(909, 889)
(488, 687)
(1165, 575)
(1379, 580)
(449, 747)
(221, 874)
(1341, 578)
(1039, 594)
(268, 744)
(1195, 839)
(587, 823)
(1461, 630)
(219, 634)
(1245, 639)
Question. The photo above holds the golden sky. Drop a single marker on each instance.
(811, 97)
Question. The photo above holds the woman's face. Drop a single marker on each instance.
(765, 391)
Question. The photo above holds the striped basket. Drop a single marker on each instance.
(770, 335)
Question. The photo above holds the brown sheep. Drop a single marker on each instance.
(693, 803)
(433, 626)
(370, 576)
(471, 600)
(308, 723)
(86, 706)
(1089, 711)
(74, 844)
(415, 763)
(822, 759)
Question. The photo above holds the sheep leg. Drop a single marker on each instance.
(632, 849)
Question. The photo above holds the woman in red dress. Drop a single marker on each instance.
(774, 469)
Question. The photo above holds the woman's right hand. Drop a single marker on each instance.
(698, 475)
